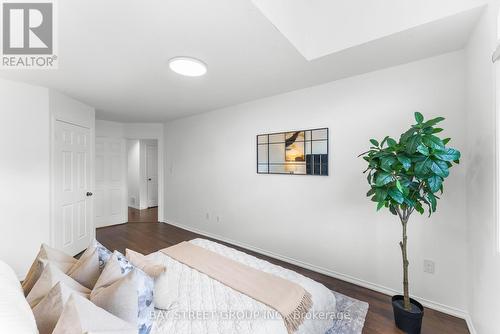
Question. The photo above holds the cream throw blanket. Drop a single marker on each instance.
(287, 298)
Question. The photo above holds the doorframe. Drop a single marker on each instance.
(146, 164)
(68, 110)
(159, 137)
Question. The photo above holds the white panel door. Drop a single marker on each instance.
(72, 180)
(110, 181)
(152, 174)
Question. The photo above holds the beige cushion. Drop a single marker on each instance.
(116, 292)
(145, 263)
(52, 275)
(86, 270)
(48, 310)
(60, 259)
(81, 316)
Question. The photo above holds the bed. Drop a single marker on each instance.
(190, 302)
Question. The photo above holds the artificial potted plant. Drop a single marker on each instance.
(406, 176)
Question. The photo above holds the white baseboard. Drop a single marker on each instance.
(470, 324)
(365, 284)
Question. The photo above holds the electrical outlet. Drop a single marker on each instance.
(429, 266)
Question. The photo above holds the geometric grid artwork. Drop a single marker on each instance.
(301, 152)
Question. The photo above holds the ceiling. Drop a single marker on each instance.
(114, 54)
(321, 27)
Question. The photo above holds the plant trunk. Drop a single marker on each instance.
(403, 244)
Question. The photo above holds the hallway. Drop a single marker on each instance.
(149, 215)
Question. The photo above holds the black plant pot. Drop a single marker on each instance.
(408, 321)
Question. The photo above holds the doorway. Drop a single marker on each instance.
(73, 229)
(142, 180)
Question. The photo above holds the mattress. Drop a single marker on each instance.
(190, 302)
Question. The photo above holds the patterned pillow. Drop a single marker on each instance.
(104, 254)
(145, 293)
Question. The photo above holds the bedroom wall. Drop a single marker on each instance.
(482, 198)
(326, 223)
(24, 170)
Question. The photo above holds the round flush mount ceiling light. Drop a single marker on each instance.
(187, 66)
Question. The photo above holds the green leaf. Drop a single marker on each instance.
(440, 168)
(412, 144)
(423, 149)
(398, 185)
(380, 205)
(419, 208)
(383, 178)
(435, 183)
(432, 201)
(386, 163)
(433, 121)
(446, 141)
(383, 141)
(433, 142)
(374, 142)
(405, 190)
(393, 210)
(437, 130)
(391, 142)
(419, 117)
(370, 192)
(449, 154)
(405, 161)
(405, 136)
(369, 177)
(423, 168)
(380, 194)
(409, 202)
(396, 195)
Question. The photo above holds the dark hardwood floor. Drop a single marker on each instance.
(149, 215)
(147, 238)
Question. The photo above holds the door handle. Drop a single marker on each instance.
(89, 194)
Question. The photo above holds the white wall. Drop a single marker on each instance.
(25, 166)
(482, 200)
(327, 223)
(133, 173)
(24, 172)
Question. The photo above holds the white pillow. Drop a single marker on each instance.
(15, 312)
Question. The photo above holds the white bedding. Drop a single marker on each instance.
(15, 313)
(201, 305)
